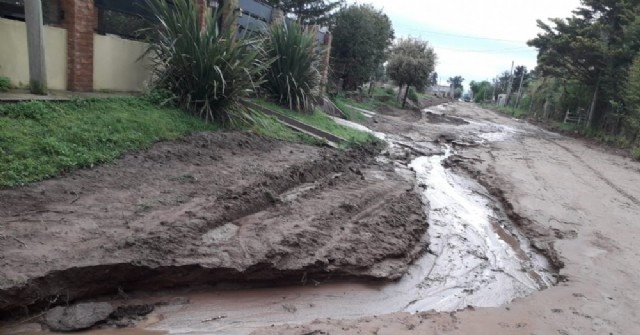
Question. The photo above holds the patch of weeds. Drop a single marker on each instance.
(161, 97)
(5, 84)
(413, 95)
(635, 153)
(380, 97)
(515, 112)
(42, 139)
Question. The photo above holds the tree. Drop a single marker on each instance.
(310, 12)
(594, 47)
(411, 64)
(361, 37)
(632, 101)
(457, 84)
(520, 73)
(481, 90)
(434, 79)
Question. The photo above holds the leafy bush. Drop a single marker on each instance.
(413, 95)
(208, 71)
(161, 96)
(293, 77)
(635, 153)
(5, 83)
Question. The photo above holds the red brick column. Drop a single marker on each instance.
(80, 20)
(203, 12)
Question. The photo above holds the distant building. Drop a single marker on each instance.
(440, 90)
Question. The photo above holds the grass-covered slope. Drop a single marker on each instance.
(42, 139)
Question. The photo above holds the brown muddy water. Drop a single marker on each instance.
(477, 258)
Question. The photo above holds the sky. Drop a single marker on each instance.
(475, 39)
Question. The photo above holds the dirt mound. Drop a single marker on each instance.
(209, 208)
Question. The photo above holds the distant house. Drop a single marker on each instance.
(441, 90)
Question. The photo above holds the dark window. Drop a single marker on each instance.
(14, 10)
(123, 24)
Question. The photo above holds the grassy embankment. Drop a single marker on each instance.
(321, 121)
(379, 98)
(39, 140)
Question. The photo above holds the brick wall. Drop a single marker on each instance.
(80, 20)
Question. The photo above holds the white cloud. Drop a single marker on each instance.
(449, 24)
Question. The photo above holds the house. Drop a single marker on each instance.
(90, 45)
(440, 90)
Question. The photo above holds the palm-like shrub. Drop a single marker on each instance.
(293, 77)
(209, 71)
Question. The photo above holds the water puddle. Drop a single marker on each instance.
(480, 258)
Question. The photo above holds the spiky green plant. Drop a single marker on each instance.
(209, 70)
(294, 76)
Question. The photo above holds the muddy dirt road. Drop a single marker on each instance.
(582, 200)
(486, 209)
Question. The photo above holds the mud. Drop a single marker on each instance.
(574, 203)
(491, 264)
(539, 193)
(210, 208)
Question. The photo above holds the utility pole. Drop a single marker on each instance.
(493, 96)
(510, 84)
(519, 90)
(592, 108)
(35, 45)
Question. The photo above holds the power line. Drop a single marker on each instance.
(460, 36)
(519, 49)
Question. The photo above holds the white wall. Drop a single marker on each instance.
(14, 57)
(116, 64)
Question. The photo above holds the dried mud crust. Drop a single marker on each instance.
(212, 207)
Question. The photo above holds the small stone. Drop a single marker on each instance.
(77, 317)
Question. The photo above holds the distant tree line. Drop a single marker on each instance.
(591, 61)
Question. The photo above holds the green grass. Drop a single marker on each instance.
(269, 126)
(5, 84)
(381, 97)
(352, 114)
(39, 140)
(42, 139)
(321, 121)
(597, 134)
(515, 112)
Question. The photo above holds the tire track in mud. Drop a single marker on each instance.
(597, 173)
